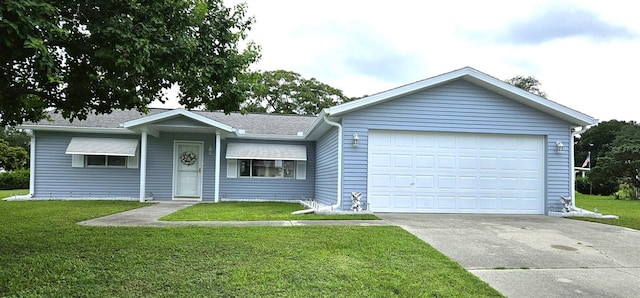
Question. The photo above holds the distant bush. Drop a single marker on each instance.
(626, 192)
(18, 179)
(583, 186)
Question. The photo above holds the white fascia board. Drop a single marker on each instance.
(177, 112)
(77, 129)
(319, 120)
(268, 137)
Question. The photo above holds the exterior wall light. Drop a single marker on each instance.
(210, 150)
(356, 140)
(559, 146)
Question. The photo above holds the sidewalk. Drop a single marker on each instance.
(148, 217)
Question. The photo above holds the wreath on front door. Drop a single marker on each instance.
(188, 158)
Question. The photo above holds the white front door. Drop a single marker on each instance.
(187, 170)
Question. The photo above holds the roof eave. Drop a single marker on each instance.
(77, 129)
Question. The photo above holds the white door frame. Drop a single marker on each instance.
(200, 162)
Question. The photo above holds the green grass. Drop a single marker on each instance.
(12, 192)
(242, 211)
(44, 253)
(628, 211)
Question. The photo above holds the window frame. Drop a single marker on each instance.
(106, 162)
(251, 166)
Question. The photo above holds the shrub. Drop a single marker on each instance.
(14, 179)
(626, 192)
(605, 188)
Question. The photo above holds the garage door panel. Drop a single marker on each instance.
(403, 201)
(423, 161)
(403, 181)
(446, 161)
(446, 182)
(455, 172)
(380, 181)
(380, 160)
(424, 202)
(424, 183)
(445, 203)
(403, 161)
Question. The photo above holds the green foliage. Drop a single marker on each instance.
(621, 161)
(243, 211)
(529, 84)
(12, 158)
(628, 211)
(81, 57)
(14, 179)
(46, 254)
(287, 92)
(597, 139)
(626, 192)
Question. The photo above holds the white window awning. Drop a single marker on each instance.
(102, 146)
(266, 151)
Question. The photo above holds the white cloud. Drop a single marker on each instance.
(368, 47)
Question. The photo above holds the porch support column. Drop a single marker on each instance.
(143, 165)
(216, 192)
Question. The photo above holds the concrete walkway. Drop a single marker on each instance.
(148, 217)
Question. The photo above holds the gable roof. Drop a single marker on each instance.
(476, 77)
(175, 113)
(115, 122)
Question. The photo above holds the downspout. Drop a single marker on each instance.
(572, 165)
(339, 191)
(32, 165)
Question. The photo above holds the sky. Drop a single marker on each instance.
(585, 53)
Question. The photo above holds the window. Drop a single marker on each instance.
(285, 169)
(105, 161)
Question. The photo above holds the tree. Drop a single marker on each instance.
(597, 140)
(529, 84)
(622, 161)
(14, 139)
(12, 157)
(83, 56)
(287, 92)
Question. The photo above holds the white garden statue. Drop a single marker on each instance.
(355, 201)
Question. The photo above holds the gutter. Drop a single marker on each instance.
(339, 190)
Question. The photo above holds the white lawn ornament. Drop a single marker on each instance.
(355, 201)
(566, 204)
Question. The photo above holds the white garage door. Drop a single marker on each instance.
(455, 173)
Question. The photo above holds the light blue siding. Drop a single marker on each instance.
(54, 176)
(458, 106)
(327, 168)
(247, 188)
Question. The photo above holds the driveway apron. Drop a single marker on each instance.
(534, 255)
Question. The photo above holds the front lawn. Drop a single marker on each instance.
(12, 192)
(43, 252)
(628, 211)
(241, 211)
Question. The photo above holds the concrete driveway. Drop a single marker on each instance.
(535, 256)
